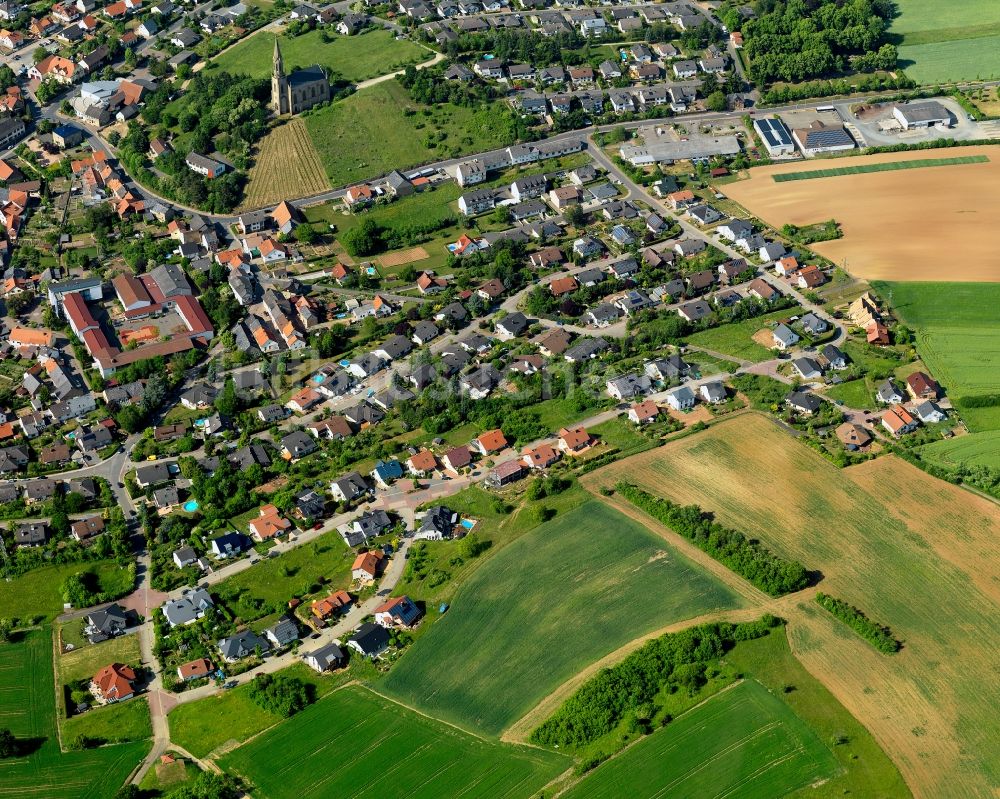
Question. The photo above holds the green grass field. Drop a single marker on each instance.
(939, 41)
(888, 166)
(38, 592)
(227, 716)
(736, 339)
(117, 723)
(743, 741)
(84, 663)
(854, 394)
(975, 449)
(254, 592)
(356, 743)
(958, 337)
(597, 580)
(27, 708)
(379, 129)
(353, 58)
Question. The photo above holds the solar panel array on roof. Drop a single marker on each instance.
(831, 137)
(774, 132)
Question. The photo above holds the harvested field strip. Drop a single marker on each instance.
(888, 166)
(912, 551)
(287, 167)
(743, 741)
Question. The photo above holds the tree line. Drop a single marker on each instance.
(878, 635)
(748, 558)
(676, 661)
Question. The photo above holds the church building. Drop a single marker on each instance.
(298, 92)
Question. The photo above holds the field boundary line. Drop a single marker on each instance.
(476, 735)
(884, 166)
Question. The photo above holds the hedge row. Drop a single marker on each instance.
(748, 558)
(876, 634)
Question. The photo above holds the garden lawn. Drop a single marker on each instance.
(254, 592)
(380, 128)
(596, 581)
(117, 723)
(743, 741)
(202, 726)
(975, 449)
(958, 335)
(624, 436)
(27, 708)
(39, 593)
(736, 339)
(86, 662)
(360, 744)
(351, 58)
(854, 394)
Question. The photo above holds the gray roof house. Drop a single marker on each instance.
(189, 608)
(325, 658)
(241, 645)
(283, 633)
(297, 444)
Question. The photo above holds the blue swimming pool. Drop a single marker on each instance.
(468, 524)
(317, 378)
(191, 505)
(345, 363)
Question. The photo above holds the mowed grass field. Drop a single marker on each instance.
(975, 449)
(287, 167)
(27, 708)
(743, 742)
(958, 40)
(351, 58)
(945, 209)
(554, 601)
(916, 553)
(39, 593)
(380, 128)
(737, 339)
(358, 744)
(958, 337)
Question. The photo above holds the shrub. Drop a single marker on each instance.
(879, 636)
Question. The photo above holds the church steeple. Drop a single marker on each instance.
(279, 66)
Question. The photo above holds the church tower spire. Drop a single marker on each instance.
(279, 84)
(279, 66)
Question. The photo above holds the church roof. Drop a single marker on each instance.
(307, 75)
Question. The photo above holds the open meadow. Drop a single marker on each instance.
(356, 743)
(350, 58)
(379, 128)
(514, 634)
(39, 592)
(742, 741)
(958, 337)
(916, 553)
(286, 167)
(737, 340)
(896, 224)
(27, 708)
(959, 40)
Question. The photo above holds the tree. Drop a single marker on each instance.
(716, 101)
(576, 216)
(305, 233)
(365, 239)
(6, 628)
(228, 403)
(131, 418)
(8, 743)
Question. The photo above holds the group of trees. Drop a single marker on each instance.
(370, 238)
(280, 694)
(84, 589)
(207, 785)
(675, 661)
(878, 635)
(227, 493)
(748, 558)
(797, 41)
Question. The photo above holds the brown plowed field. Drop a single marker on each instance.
(934, 223)
(913, 552)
